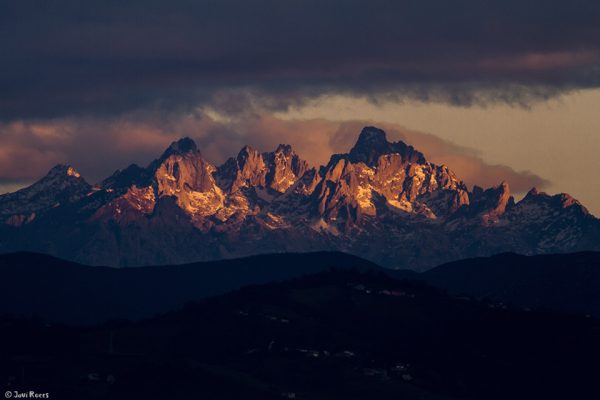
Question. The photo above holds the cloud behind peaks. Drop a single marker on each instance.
(97, 147)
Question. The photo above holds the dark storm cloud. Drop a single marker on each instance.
(61, 58)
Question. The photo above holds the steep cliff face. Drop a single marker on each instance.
(492, 203)
(277, 170)
(377, 176)
(382, 200)
(186, 176)
(285, 167)
(246, 170)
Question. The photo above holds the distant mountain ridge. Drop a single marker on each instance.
(382, 201)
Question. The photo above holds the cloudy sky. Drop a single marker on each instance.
(497, 90)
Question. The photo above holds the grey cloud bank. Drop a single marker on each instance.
(108, 57)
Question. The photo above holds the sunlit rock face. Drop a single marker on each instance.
(248, 169)
(377, 176)
(189, 178)
(285, 168)
(382, 200)
(277, 170)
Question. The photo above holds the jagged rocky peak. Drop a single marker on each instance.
(502, 197)
(181, 146)
(61, 185)
(250, 161)
(285, 167)
(123, 179)
(61, 171)
(169, 163)
(181, 168)
(561, 200)
(60, 178)
(248, 169)
(277, 170)
(285, 149)
(372, 144)
(566, 200)
(494, 201)
(532, 192)
(378, 175)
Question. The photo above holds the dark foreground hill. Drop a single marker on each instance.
(562, 282)
(60, 291)
(63, 291)
(333, 335)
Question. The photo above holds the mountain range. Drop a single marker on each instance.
(382, 201)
